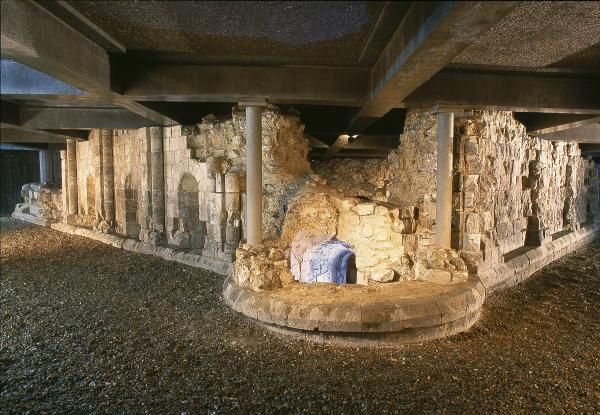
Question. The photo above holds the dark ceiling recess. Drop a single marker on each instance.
(324, 122)
(189, 113)
(391, 123)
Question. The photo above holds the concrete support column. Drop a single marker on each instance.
(158, 181)
(254, 191)
(443, 206)
(108, 176)
(72, 176)
(64, 184)
(46, 167)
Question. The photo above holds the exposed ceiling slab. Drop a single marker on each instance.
(537, 34)
(541, 123)
(584, 134)
(248, 33)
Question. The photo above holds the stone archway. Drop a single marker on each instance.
(189, 233)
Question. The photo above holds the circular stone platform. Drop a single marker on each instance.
(382, 314)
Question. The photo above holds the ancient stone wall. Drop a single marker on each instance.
(362, 177)
(412, 167)
(128, 156)
(88, 183)
(512, 190)
(184, 174)
(221, 143)
(204, 181)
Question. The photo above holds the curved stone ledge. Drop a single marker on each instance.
(399, 313)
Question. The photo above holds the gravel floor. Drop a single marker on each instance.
(87, 328)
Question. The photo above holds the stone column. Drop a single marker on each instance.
(254, 189)
(158, 182)
(45, 157)
(443, 204)
(108, 176)
(72, 177)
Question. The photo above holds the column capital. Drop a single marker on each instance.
(253, 102)
(457, 111)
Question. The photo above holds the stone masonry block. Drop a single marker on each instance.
(216, 208)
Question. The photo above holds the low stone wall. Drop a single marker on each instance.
(520, 267)
(182, 256)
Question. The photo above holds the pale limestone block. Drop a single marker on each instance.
(365, 208)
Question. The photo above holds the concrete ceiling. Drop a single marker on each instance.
(239, 32)
(350, 66)
(538, 34)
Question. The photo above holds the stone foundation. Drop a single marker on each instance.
(42, 204)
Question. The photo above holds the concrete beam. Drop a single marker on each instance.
(583, 134)
(509, 92)
(374, 142)
(341, 142)
(15, 135)
(36, 38)
(540, 123)
(75, 19)
(350, 144)
(74, 118)
(430, 35)
(31, 146)
(311, 85)
(351, 153)
(80, 135)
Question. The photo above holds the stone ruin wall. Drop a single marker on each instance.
(222, 145)
(129, 160)
(508, 187)
(512, 190)
(390, 232)
(366, 178)
(87, 181)
(204, 173)
(506, 184)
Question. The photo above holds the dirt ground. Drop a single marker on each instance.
(87, 328)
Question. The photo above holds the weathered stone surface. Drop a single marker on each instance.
(41, 201)
(365, 208)
(382, 274)
(355, 177)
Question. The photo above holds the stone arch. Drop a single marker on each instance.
(90, 194)
(130, 226)
(190, 229)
